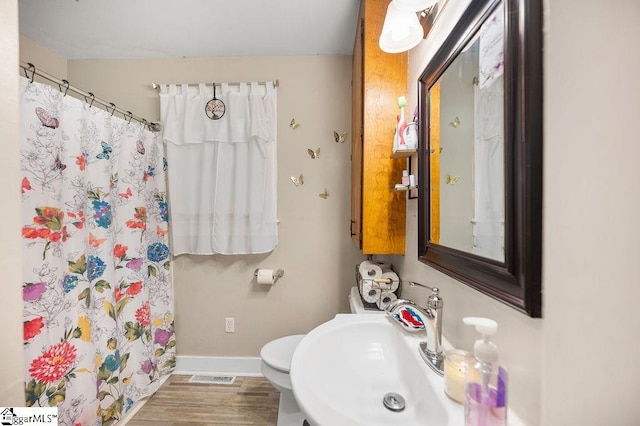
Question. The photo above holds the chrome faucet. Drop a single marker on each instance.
(431, 350)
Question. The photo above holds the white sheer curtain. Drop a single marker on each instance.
(488, 223)
(222, 180)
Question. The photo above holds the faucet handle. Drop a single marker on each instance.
(434, 301)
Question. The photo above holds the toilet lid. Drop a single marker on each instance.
(278, 353)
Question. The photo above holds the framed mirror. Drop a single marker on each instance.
(480, 153)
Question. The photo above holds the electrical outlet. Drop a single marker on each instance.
(229, 325)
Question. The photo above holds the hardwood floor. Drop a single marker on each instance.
(248, 401)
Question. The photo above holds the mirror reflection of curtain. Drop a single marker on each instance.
(488, 223)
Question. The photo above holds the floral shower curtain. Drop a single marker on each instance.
(97, 292)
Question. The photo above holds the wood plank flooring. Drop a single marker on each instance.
(248, 401)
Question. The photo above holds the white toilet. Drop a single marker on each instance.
(276, 361)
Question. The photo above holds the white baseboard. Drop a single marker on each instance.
(211, 365)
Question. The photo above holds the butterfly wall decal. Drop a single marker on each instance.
(106, 151)
(455, 123)
(46, 119)
(297, 181)
(293, 124)
(140, 147)
(324, 194)
(452, 180)
(314, 154)
(339, 137)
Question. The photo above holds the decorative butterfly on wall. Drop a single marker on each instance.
(324, 194)
(455, 123)
(106, 151)
(297, 181)
(46, 119)
(452, 180)
(314, 154)
(339, 137)
(293, 124)
(140, 147)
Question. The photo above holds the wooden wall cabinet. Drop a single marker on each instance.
(378, 214)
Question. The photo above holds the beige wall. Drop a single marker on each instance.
(314, 247)
(11, 386)
(591, 275)
(43, 59)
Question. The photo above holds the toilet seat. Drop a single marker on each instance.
(277, 353)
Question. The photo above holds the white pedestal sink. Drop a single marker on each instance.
(342, 370)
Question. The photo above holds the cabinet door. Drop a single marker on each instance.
(384, 79)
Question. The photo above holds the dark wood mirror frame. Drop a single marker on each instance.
(517, 281)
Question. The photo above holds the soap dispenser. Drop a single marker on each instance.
(485, 400)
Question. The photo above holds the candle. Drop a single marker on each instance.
(454, 369)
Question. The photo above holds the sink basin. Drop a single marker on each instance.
(342, 370)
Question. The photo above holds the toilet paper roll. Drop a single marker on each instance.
(369, 270)
(265, 276)
(369, 292)
(386, 297)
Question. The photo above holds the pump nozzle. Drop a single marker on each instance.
(484, 326)
(483, 349)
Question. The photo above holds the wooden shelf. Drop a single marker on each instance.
(404, 189)
(404, 153)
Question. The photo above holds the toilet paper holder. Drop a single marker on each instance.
(278, 273)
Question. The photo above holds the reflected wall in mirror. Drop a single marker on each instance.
(481, 153)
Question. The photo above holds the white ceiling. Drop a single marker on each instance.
(97, 29)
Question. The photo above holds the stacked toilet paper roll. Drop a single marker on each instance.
(368, 292)
(386, 297)
(377, 283)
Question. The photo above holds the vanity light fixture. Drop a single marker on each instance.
(402, 30)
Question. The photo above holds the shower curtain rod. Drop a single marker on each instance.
(89, 97)
(156, 86)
